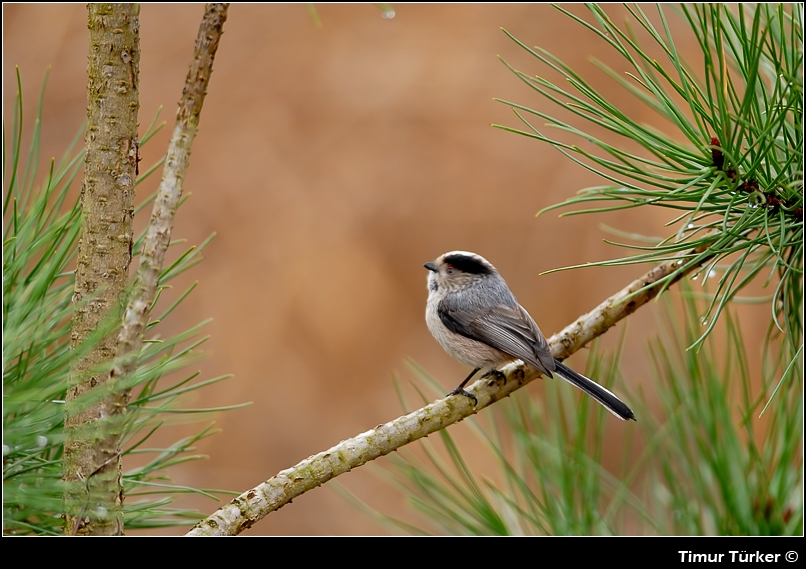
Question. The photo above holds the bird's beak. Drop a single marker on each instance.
(431, 267)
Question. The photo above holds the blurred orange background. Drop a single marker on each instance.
(332, 162)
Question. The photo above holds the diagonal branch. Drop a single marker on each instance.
(255, 504)
(158, 233)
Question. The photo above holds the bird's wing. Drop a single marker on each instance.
(509, 329)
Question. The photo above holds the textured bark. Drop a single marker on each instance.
(92, 470)
(255, 504)
(158, 233)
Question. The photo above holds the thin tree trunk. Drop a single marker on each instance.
(92, 469)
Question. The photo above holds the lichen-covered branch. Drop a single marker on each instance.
(93, 491)
(255, 504)
(158, 233)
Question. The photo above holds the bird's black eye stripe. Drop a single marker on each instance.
(467, 264)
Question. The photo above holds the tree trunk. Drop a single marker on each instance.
(92, 468)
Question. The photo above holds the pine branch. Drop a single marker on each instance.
(731, 155)
(158, 234)
(253, 505)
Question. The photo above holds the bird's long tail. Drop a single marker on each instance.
(602, 395)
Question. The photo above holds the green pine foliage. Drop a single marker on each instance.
(732, 164)
(41, 228)
(723, 470)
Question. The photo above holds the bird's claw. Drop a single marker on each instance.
(498, 374)
(460, 391)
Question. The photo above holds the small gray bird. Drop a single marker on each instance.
(476, 318)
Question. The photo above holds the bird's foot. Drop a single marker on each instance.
(497, 375)
(460, 391)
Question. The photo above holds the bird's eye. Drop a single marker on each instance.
(450, 270)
